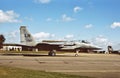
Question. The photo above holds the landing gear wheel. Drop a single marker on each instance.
(52, 53)
(76, 55)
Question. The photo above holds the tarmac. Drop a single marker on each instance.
(92, 65)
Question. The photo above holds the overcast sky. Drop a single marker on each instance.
(97, 21)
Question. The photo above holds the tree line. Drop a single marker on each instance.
(2, 40)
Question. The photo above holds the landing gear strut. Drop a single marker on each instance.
(77, 52)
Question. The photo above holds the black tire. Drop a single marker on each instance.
(52, 53)
(76, 55)
(49, 53)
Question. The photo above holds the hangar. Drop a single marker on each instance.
(17, 47)
(12, 47)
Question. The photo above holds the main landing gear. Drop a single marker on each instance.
(52, 53)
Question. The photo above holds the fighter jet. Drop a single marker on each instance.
(55, 45)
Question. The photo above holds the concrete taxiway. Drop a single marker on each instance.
(93, 65)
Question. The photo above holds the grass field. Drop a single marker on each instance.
(23, 52)
(9, 72)
(30, 53)
(39, 52)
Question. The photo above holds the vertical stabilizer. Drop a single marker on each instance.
(25, 37)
